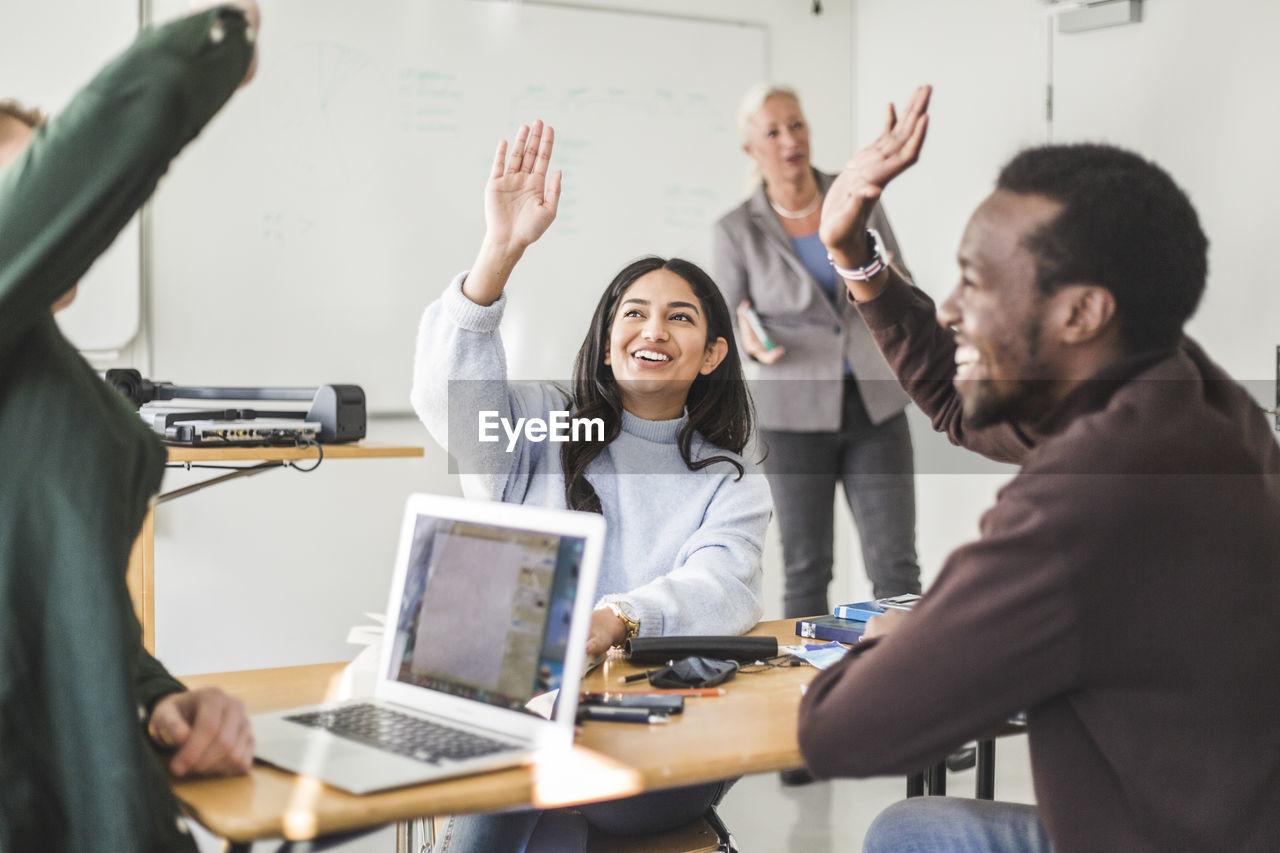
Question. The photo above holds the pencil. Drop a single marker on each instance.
(678, 691)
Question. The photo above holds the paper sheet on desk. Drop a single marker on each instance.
(543, 704)
(820, 656)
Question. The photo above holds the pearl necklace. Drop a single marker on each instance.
(797, 214)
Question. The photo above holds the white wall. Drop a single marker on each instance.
(1214, 126)
(45, 71)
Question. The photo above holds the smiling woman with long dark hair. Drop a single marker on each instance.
(719, 407)
(659, 373)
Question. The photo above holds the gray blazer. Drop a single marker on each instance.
(802, 391)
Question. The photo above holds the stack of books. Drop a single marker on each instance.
(848, 621)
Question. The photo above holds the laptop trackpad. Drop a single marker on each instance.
(343, 764)
(306, 754)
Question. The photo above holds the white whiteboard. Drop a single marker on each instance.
(47, 52)
(1212, 122)
(299, 239)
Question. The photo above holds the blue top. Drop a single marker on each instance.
(813, 255)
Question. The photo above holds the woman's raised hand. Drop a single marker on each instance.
(519, 200)
(519, 205)
(850, 199)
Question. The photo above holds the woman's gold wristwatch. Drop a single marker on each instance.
(632, 625)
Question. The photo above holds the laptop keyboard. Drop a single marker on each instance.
(402, 734)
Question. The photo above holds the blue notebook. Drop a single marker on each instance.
(864, 610)
(831, 628)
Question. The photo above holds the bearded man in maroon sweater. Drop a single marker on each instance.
(1149, 486)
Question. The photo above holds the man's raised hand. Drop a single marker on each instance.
(849, 201)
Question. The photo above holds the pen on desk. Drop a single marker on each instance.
(683, 691)
(621, 715)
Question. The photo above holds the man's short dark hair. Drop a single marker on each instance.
(1124, 225)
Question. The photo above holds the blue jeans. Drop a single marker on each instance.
(565, 830)
(956, 825)
(876, 465)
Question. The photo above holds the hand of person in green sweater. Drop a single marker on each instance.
(208, 729)
(252, 16)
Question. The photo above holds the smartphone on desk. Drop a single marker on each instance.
(653, 702)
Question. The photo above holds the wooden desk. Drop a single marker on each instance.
(751, 729)
(140, 577)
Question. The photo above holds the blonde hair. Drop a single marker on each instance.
(754, 99)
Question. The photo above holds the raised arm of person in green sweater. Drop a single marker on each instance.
(78, 692)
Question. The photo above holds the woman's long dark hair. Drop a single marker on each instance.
(719, 405)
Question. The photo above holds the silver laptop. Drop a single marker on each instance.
(489, 609)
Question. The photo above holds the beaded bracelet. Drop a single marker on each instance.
(867, 271)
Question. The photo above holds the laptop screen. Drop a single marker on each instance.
(486, 610)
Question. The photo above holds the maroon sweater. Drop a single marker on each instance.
(1124, 591)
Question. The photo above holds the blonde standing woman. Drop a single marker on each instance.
(829, 407)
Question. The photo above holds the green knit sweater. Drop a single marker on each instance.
(76, 769)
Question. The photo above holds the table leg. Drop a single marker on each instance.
(936, 779)
(141, 582)
(415, 836)
(986, 783)
(915, 785)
